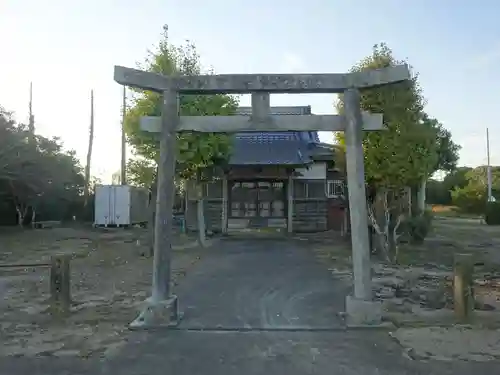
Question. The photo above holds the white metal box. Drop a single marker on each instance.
(120, 205)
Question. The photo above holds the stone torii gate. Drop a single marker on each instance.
(162, 307)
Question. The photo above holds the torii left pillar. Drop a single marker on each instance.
(162, 307)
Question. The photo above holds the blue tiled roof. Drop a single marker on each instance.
(273, 148)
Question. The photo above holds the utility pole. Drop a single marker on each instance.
(89, 151)
(123, 178)
(488, 170)
(31, 120)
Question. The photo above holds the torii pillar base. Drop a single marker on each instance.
(158, 314)
(362, 313)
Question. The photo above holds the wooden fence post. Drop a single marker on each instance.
(60, 293)
(463, 292)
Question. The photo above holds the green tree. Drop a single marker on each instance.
(439, 192)
(478, 177)
(457, 178)
(398, 156)
(472, 196)
(141, 172)
(445, 159)
(37, 175)
(196, 151)
(447, 150)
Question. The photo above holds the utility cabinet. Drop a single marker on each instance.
(120, 205)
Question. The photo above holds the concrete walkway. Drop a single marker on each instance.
(264, 284)
(262, 307)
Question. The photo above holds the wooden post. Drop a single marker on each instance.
(165, 198)
(60, 288)
(463, 291)
(290, 204)
(225, 207)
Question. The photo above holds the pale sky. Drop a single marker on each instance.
(69, 47)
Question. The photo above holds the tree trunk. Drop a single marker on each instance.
(25, 213)
(385, 225)
(33, 216)
(200, 212)
(409, 208)
(380, 216)
(379, 221)
(421, 195)
(20, 216)
(201, 222)
(86, 191)
(186, 208)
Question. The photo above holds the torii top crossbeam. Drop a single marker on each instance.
(270, 83)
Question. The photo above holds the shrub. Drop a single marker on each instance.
(469, 199)
(418, 227)
(492, 213)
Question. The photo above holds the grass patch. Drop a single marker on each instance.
(451, 211)
(451, 235)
